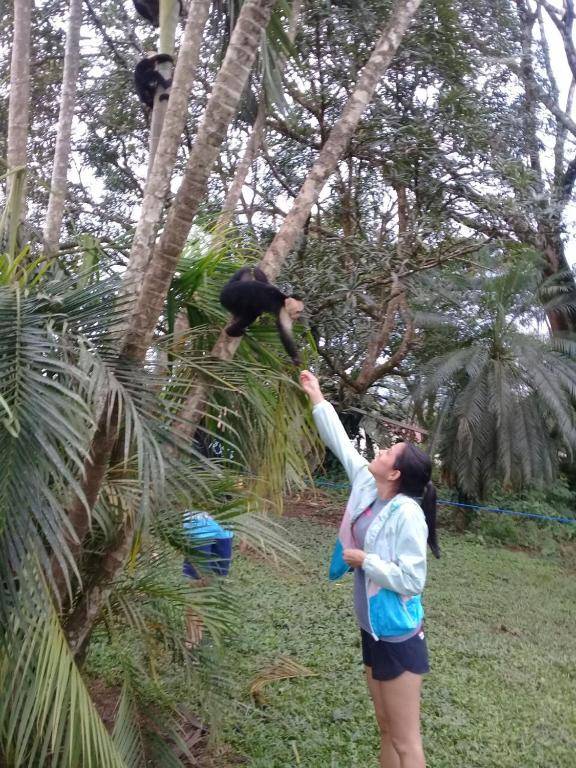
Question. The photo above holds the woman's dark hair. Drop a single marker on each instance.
(415, 468)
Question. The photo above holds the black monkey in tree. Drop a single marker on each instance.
(248, 294)
(150, 10)
(147, 78)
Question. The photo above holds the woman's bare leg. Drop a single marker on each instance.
(401, 705)
(388, 756)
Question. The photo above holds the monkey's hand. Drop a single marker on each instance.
(296, 361)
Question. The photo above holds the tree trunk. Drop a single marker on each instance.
(106, 431)
(169, 15)
(18, 110)
(158, 182)
(548, 214)
(326, 163)
(242, 169)
(63, 138)
(221, 108)
(253, 146)
(340, 136)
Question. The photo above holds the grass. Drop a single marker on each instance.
(500, 628)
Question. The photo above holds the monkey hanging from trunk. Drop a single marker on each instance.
(147, 78)
(150, 10)
(248, 294)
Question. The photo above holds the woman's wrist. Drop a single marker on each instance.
(316, 398)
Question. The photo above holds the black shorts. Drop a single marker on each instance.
(390, 660)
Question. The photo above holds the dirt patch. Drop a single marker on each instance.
(105, 698)
(314, 505)
(568, 555)
(191, 729)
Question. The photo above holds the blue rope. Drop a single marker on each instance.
(496, 510)
(320, 481)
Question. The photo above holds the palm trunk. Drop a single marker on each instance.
(18, 111)
(324, 166)
(221, 108)
(63, 139)
(169, 14)
(106, 431)
(158, 182)
(185, 425)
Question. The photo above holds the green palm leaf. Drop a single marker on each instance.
(46, 714)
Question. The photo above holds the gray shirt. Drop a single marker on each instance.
(359, 528)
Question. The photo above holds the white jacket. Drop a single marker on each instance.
(395, 543)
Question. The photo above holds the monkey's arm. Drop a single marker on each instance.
(284, 325)
(162, 58)
(239, 324)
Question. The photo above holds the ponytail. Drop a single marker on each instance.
(415, 469)
(428, 504)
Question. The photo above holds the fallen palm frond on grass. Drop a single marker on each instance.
(283, 669)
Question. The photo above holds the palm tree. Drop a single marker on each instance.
(505, 393)
(58, 371)
(57, 198)
(18, 111)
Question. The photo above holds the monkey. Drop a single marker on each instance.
(147, 78)
(150, 10)
(248, 294)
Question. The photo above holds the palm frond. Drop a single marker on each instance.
(46, 713)
(127, 733)
(284, 668)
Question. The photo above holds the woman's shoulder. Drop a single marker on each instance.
(407, 508)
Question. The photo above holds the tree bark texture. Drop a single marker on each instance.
(19, 103)
(158, 182)
(221, 108)
(57, 197)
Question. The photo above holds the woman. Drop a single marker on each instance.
(383, 538)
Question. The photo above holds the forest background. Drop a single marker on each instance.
(408, 169)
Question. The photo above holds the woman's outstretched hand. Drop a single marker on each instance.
(311, 386)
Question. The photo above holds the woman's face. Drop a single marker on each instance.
(382, 466)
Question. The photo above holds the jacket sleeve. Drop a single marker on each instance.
(407, 574)
(334, 437)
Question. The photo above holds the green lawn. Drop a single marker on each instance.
(502, 637)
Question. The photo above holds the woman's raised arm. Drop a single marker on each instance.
(330, 427)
